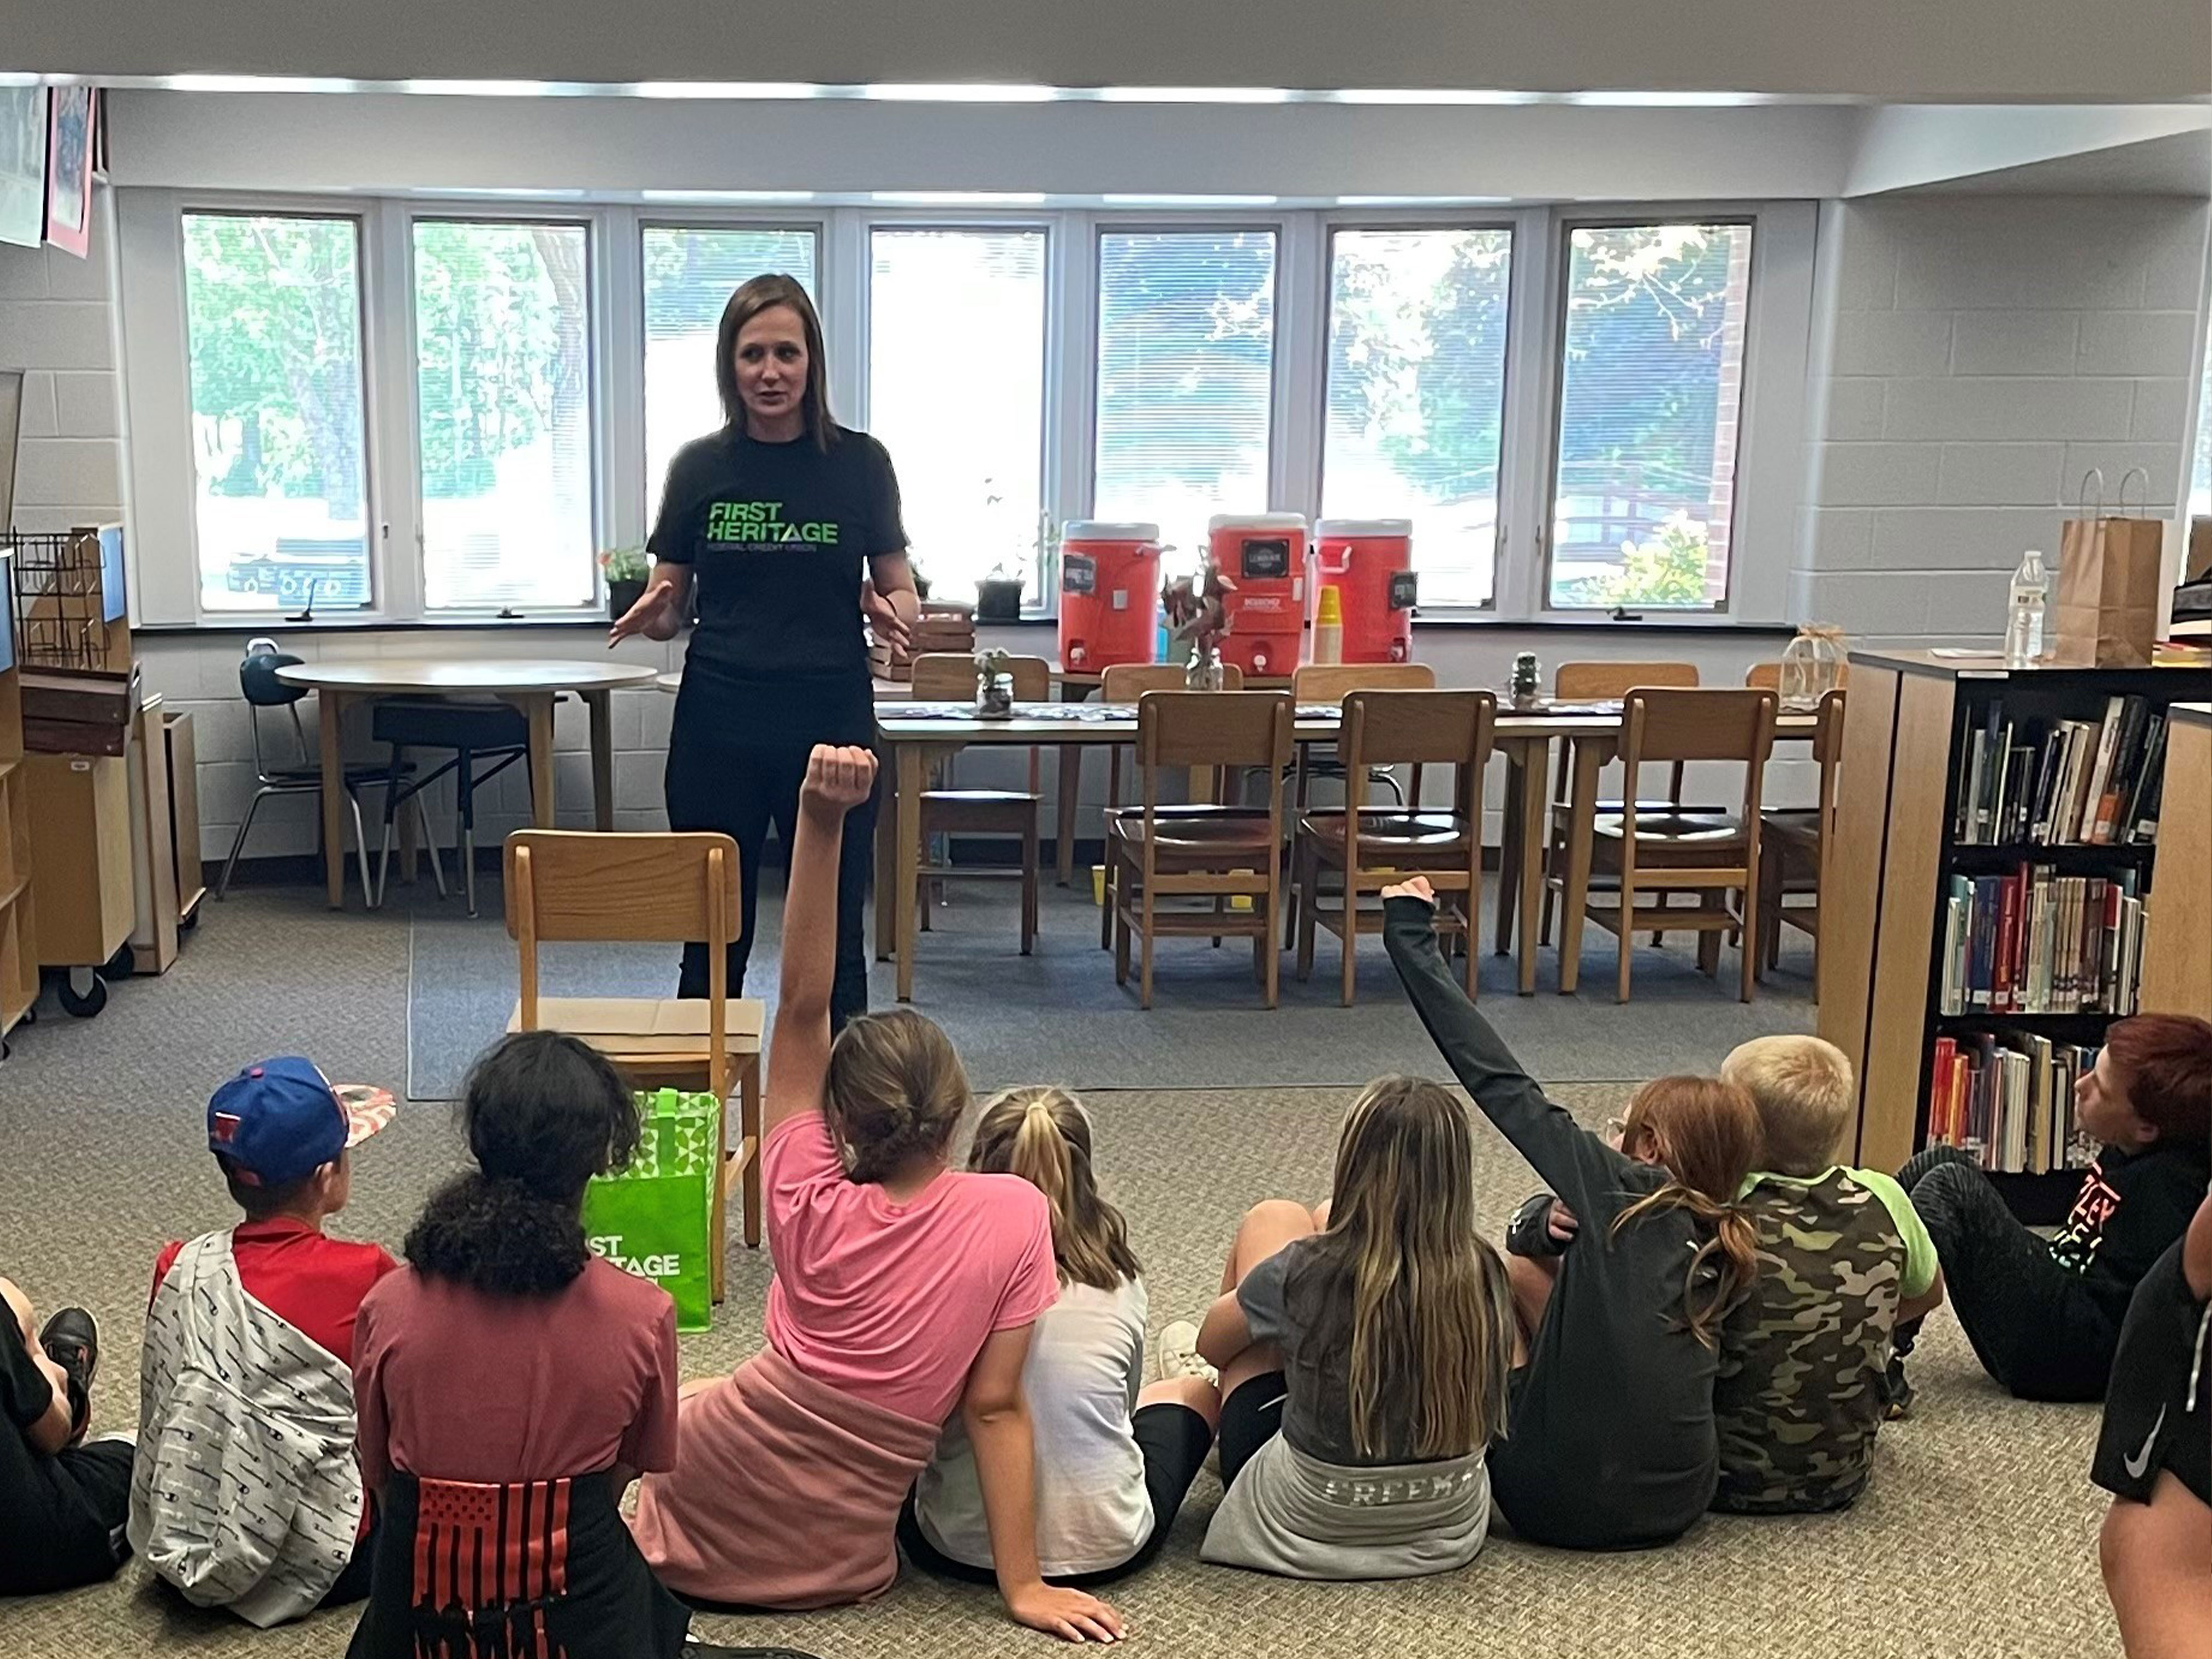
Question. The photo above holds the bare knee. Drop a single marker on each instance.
(1277, 1215)
(1192, 1393)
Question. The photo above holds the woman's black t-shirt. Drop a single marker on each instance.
(778, 537)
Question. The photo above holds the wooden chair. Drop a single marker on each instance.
(1320, 682)
(1794, 845)
(1201, 852)
(949, 677)
(1601, 682)
(567, 886)
(1764, 676)
(1398, 728)
(1668, 850)
(1127, 682)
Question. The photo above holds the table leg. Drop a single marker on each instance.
(331, 704)
(601, 704)
(907, 857)
(1589, 757)
(1509, 850)
(1070, 799)
(539, 707)
(1535, 760)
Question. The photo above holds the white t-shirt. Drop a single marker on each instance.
(1085, 1367)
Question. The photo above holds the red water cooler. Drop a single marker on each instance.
(1109, 594)
(1265, 555)
(1369, 561)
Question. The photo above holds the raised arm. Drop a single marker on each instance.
(1575, 1163)
(837, 780)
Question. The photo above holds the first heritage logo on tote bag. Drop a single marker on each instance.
(2109, 575)
(653, 1216)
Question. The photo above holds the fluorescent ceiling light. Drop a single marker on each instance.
(1669, 99)
(1193, 94)
(480, 88)
(1166, 199)
(1436, 96)
(1422, 201)
(725, 195)
(763, 89)
(958, 197)
(256, 83)
(956, 92)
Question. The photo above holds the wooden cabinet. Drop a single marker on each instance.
(83, 896)
(19, 956)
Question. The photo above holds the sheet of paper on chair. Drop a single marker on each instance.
(645, 1025)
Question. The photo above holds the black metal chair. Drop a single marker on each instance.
(475, 730)
(303, 775)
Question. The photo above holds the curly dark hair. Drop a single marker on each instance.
(544, 1113)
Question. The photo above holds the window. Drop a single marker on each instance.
(689, 275)
(503, 399)
(1416, 395)
(1651, 400)
(1185, 367)
(956, 392)
(280, 486)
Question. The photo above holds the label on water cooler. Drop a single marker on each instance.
(1079, 574)
(1266, 558)
(1403, 586)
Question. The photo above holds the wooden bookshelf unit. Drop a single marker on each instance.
(2178, 963)
(18, 957)
(1914, 726)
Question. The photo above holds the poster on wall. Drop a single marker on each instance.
(22, 165)
(69, 170)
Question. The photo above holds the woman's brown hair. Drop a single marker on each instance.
(1043, 1135)
(1706, 1133)
(893, 1094)
(765, 293)
(1420, 1297)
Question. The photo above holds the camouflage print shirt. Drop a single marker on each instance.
(1798, 1396)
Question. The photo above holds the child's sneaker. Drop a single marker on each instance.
(71, 1340)
(1179, 1355)
(1896, 1389)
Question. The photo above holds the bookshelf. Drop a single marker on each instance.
(1987, 923)
(19, 960)
(2178, 963)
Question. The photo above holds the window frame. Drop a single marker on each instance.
(1333, 225)
(158, 483)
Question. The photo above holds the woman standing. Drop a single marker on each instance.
(788, 524)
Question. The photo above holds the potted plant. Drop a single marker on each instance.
(999, 597)
(625, 570)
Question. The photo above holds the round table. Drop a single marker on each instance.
(529, 683)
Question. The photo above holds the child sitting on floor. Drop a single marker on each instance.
(1611, 1443)
(246, 1493)
(1362, 1352)
(2044, 1317)
(62, 1500)
(1842, 1259)
(1114, 1460)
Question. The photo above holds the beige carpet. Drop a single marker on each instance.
(1978, 1537)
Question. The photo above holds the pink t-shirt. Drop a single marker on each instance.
(891, 1302)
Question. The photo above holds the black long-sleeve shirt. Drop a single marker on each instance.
(1611, 1443)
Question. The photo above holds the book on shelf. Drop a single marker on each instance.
(2007, 1100)
(2062, 782)
(2036, 942)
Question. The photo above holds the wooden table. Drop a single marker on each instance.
(529, 684)
(1524, 738)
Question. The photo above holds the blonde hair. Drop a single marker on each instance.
(1705, 1132)
(1418, 1296)
(1043, 1134)
(895, 1092)
(1802, 1087)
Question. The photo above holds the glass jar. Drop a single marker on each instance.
(1203, 671)
(1812, 665)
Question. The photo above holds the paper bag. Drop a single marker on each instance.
(2109, 588)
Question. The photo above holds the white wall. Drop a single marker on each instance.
(1897, 49)
(58, 322)
(1979, 355)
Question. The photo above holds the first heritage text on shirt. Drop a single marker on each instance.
(760, 527)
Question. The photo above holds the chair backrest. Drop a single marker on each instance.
(1331, 681)
(1213, 728)
(1659, 724)
(1418, 729)
(949, 677)
(1125, 682)
(257, 678)
(1828, 728)
(1764, 676)
(1598, 682)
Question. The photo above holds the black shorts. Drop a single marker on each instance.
(1250, 1418)
(1173, 1440)
(2153, 1420)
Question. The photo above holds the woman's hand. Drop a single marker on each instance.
(1418, 888)
(653, 616)
(1069, 1615)
(885, 622)
(837, 780)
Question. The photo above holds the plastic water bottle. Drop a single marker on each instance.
(2024, 620)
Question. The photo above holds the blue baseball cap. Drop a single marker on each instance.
(280, 1119)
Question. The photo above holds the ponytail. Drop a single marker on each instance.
(1043, 1135)
(1705, 1133)
(1726, 1260)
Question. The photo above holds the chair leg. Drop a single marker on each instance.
(238, 842)
(1624, 938)
(1309, 912)
(1106, 909)
(369, 896)
(1351, 964)
(1145, 947)
(1471, 902)
(469, 865)
(1709, 943)
(1029, 888)
(429, 842)
(1272, 970)
(1747, 963)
